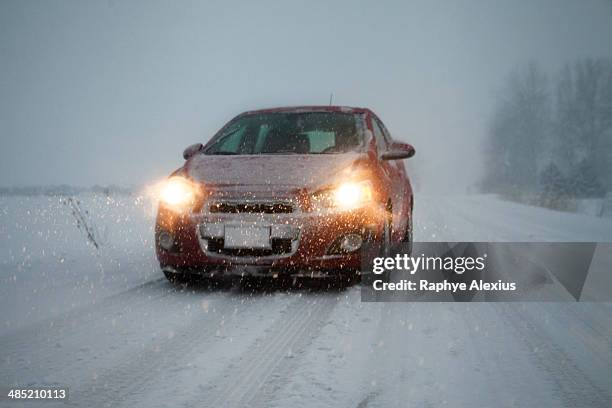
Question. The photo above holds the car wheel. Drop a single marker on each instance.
(177, 278)
(381, 246)
(407, 240)
(385, 244)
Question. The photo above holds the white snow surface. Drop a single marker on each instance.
(105, 323)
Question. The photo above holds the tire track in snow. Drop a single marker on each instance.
(573, 385)
(133, 375)
(242, 384)
(38, 335)
(508, 378)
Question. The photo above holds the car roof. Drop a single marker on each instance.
(302, 109)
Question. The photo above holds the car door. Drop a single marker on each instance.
(395, 173)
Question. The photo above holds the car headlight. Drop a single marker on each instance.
(346, 196)
(178, 193)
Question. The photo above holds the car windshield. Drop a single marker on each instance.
(289, 133)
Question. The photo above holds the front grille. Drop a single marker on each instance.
(253, 207)
(280, 246)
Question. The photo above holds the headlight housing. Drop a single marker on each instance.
(178, 193)
(346, 196)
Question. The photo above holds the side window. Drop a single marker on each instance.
(385, 133)
(229, 142)
(381, 144)
(232, 142)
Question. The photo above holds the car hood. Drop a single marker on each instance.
(273, 171)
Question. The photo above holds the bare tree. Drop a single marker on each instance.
(583, 120)
(517, 132)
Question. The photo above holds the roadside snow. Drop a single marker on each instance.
(47, 264)
(486, 218)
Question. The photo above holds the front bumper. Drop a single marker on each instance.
(302, 243)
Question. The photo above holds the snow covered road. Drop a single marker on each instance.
(106, 325)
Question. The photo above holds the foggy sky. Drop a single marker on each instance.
(112, 91)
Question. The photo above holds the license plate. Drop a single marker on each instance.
(247, 237)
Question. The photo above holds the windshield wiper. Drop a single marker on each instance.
(223, 153)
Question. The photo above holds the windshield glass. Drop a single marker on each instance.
(289, 133)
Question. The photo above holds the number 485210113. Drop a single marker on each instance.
(37, 393)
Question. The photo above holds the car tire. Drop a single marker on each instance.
(407, 240)
(385, 243)
(177, 278)
(382, 247)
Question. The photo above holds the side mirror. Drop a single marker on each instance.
(398, 151)
(192, 150)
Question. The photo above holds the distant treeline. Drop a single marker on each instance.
(550, 139)
(64, 190)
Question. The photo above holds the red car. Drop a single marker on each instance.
(288, 191)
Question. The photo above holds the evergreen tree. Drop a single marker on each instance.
(585, 181)
(553, 187)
